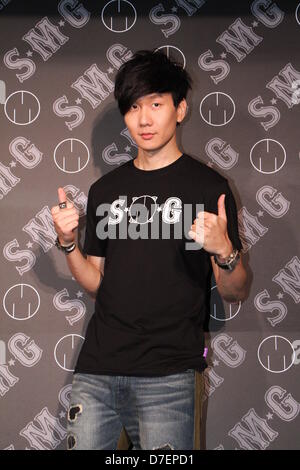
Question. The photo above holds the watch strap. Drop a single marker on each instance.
(230, 262)
(65, 248)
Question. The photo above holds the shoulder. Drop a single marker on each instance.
(112, 176)
(210, 180)
(202, 167)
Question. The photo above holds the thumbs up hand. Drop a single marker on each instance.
(211, 230)
(65, 219)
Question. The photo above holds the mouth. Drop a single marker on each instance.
(147, 135)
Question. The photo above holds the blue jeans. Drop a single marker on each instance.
(156, 412)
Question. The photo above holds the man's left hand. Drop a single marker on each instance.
(211, 231)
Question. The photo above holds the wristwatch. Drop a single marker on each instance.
(65, 248)
(230, 262)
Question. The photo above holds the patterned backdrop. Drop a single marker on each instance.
(60, 126)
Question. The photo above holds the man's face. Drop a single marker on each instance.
(151, 120)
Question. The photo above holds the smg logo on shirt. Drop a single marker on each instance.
(143, 215)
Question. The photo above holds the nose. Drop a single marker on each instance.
(144, 117)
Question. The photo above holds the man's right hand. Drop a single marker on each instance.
(65, 220)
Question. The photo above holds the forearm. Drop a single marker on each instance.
(232, 284)
(83, 271)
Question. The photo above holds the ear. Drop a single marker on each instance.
(181, 110)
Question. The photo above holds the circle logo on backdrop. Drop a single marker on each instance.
(177, 54)
(217, 310)
(21, 301)
(267, 156)
(65, 349)
(297, 14)
(119, 16)
(22, 107)
(276, 354)
(71, 155)
(217, 109)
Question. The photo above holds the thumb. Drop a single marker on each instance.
(63, 198)
(61, 195)
(221, 207)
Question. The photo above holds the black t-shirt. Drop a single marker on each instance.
(151, 303)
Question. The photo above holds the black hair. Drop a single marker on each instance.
(150, 71)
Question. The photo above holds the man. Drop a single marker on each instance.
(149, 270)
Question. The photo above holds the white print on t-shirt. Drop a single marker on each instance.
(134, 219)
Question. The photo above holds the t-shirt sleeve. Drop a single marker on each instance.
(93, 245)
(231, 213)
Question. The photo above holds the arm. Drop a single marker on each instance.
(88, 272)
(210, 230)
(230, 284)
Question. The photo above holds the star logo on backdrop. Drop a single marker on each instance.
(62, 414)
(29, 245)
(174, 9)
(110, 70)
(79, 294)
(29, 53)
(78, 101)
(255, 24)
(216, 362)
(11, 362)
(12, 164)
(127, 148)
(61, 23)
(260, 213)
(280, 295)
(269, 416)
(273, 101)
(223, 55)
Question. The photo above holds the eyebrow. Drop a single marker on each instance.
(153, 95)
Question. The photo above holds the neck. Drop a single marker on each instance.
(155, 159)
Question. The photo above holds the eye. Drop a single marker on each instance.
(134, 106)
(156, 105)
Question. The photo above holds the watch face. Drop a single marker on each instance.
(224, 266)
